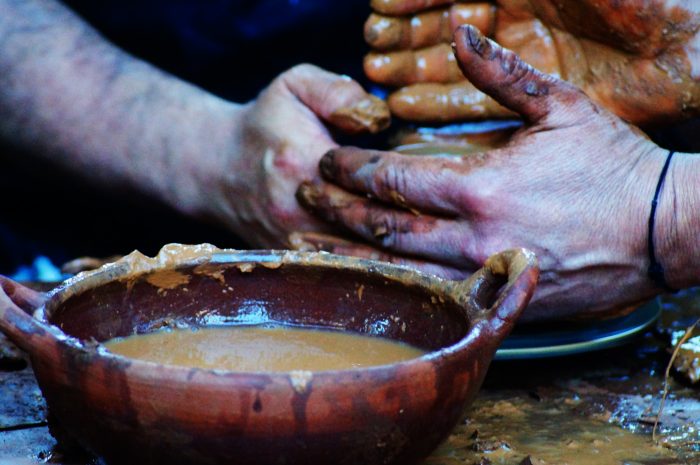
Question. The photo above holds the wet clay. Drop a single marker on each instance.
(508, 432)
(452, 139)
(687, 362)
(255, 349)
(168, 279)
(400, 7)
(636, 58)
(371, 115)
(428, 28)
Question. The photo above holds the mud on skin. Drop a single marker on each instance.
(445, 215)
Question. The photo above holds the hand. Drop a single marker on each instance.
(278, 142)
(637, 58)
(574, 186)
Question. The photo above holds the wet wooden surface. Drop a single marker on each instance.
(597, 408)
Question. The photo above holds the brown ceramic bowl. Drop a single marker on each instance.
(131, 411)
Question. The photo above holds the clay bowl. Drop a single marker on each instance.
(131, 411)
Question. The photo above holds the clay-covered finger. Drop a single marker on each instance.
(313, 242)
(432, 64)
(336, 99)
(416, 184)
(444, 103)
(369, 114)
(404, 7)
(384, 33)
(501, 73)
(399, 231)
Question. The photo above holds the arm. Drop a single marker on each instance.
(70, 97)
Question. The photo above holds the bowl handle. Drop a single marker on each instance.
(17, 302)
(515, 272)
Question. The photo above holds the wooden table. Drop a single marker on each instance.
(593, 409)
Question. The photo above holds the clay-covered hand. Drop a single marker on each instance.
(638, 58)
(574, 185)
(278, 141)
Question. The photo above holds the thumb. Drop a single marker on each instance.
(337, 99)
(501, 74)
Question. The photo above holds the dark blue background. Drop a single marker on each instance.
(235, 47)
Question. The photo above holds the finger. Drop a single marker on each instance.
(386, 33)
(500, 73)
(432, 64)
(337, 99)
(79, 265)
(441, 103)
(312, 242)
(423, 184)
(25, 298)
(399, 231)
(404, 7)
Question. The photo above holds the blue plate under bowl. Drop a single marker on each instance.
(568, 339)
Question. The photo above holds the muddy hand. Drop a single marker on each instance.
(573, 186)
(319, 242)
(277, 144)
(637, 58)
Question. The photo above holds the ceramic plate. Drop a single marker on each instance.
(557, 341)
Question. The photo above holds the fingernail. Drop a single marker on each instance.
(380, 231)
(476, 40)
(308, 194)
(327, 165)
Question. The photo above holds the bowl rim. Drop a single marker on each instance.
(267, 258)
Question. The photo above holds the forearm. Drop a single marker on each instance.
(68, 95)
(677, 234)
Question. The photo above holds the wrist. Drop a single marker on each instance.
(677, 223)
(201, 138)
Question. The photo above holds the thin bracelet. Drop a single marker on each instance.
(656, 271)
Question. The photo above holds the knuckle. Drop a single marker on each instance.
(391, 240)
(294, 74)
(288, 164)
(329, 164)
(384, 229)
(529, 80)
(301, 70)
(390, 179)
(480, 198)
(524, 76)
